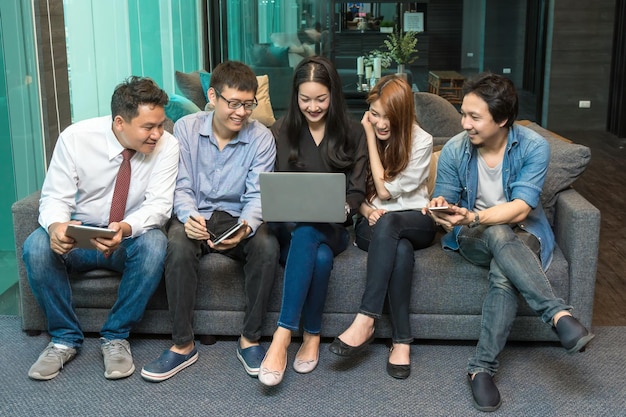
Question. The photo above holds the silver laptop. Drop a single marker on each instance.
(303, 197)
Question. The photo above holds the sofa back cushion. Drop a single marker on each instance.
(436, 115)
(567, 162)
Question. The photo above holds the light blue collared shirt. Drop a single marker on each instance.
(228, 180)
(523, 173)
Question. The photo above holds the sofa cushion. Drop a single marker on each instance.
(436, 115)
(205, 83)
(179, 106)
(264, 113)
(189, 85)
(567, 162)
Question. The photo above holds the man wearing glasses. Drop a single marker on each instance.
(222, 153)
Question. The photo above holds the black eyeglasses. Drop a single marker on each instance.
(235, 104)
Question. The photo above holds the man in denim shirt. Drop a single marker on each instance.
(222, 153)
(491, 176)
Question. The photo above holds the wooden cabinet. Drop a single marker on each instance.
(447, 84)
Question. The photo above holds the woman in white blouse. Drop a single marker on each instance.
(392, 225)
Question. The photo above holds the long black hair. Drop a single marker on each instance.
(336, 150)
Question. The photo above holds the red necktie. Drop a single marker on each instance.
(120, 193)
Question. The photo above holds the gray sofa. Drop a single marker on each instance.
(447, 291)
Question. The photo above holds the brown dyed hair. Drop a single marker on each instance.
(396, 98)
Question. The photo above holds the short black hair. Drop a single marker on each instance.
(133, 92)
(234, 74)
(498, 92)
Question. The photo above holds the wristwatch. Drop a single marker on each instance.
(474, 222)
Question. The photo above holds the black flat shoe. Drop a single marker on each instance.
(484, 392)
(398, 371)
(573, 335)
(341, 349)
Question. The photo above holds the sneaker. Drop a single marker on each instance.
(118, 361)
(168, 364)
(51, 362)
(251, 358)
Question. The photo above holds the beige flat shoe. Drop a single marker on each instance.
(269, 377)
(305, 366)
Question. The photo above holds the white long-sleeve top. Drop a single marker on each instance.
(409, 189)
(81, 177)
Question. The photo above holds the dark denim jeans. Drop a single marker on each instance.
(391, 243)
(259, 254)
(514, 268)
(140, 260)
(310, 255)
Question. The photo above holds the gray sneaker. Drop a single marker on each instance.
(118, 361)
(50, 362)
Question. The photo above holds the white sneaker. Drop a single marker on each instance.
(51, 361)
(118, 361)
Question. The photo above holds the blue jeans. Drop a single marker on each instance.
(514, 268)
(391, 243)
(140, 260)
(312, 248)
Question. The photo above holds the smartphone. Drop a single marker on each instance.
(231, 231)
(442, 209)
(83, 234)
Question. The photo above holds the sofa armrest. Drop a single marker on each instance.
(25, 215)
(577, 232)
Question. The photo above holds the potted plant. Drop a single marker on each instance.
(385, 58)
(401, 48)
(386, 26)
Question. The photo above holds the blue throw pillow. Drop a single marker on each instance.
(205, 81)
(179, 106)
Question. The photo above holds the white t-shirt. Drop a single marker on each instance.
(490, 192)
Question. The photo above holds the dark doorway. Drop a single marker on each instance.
(617, 93)
(535, 54)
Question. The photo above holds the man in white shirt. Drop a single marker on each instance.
(79, 189)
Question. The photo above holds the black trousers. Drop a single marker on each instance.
(391, 243)
(258, 253)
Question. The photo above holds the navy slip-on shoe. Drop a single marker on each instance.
(251, 358)
(485, 394)
(167, 365)
(573, 335)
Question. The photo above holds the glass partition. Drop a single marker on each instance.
(109, 41)
(273, 36)
(21, 147)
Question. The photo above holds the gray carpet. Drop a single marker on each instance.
(534, 380)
